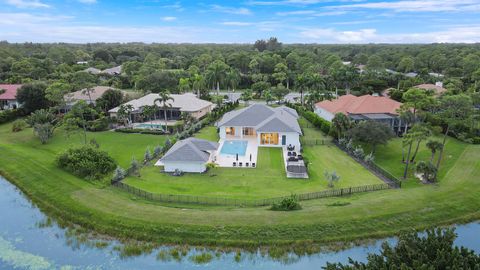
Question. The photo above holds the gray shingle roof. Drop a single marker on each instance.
(190, 150)
(263, 118)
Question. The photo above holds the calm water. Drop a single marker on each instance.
(26, 244)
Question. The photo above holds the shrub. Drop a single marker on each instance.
(370, 158)
(358, 152)
(119, 174)
(157, 151)
(134, 168)
(9, 115)
(100, 124)
(148, 156)
(18, 125)
(332, 178)
(86, 162)
(287, 204)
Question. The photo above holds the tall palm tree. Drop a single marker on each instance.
(148, 111)
(216, 74)
(184, 85)
(301, 85)
(198, 83)
(232, 78)
(124, 112)
(163, 98)
(434, 146)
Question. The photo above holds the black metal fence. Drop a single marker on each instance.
(388, 177)
(204, 200)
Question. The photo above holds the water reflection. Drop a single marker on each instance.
(30, 240)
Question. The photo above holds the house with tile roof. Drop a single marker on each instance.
(437, 89)
(270, 126)
(187, 103)
(189, 155)
(90, 97)
(8, 96)
(363, 108)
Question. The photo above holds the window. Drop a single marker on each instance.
(248, 131)
(230, 131)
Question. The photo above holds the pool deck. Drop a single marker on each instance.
(226, 160)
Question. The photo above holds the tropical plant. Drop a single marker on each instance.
(232, 79)
(163, 99)
(434, 146)
(43, 123)
(86, 162)
(287, 204)
(372, 133)
(247, 95)
(119, 174)
(434, 249)
(216, 73)
(134, 167)
(341, 123)
(124, 112)
(428, 170)
(332, 178)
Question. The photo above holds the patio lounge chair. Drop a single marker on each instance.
(253, 164)
(292, 159)
(234, 164)
(300, 157)
(239, 164)
(246, 164)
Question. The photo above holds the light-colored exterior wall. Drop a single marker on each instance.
(292, 138)
(195, 167)
(201, 113)
(324, 114)
(9, 104)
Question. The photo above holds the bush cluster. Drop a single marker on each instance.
(9, 115)
(313, 118)
(86, 162)
(19, 125)
(287, 204)
(140, 130)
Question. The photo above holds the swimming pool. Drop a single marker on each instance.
(149, 126)
(234, 147)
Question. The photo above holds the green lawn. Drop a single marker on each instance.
(31, 167)
(390, 156)
(266, 181)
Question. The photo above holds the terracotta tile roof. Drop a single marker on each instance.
(11, 91)
(97, 92)
(438, 90)
(350, 104)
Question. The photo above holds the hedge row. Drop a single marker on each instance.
(313, 118)
(10, 115)
(140, 130)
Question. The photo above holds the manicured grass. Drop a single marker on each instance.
(268, 180)
(208, 133)
(67, 198)
(390, 157)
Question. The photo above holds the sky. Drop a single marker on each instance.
(241, 21)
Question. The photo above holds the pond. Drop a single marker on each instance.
(29, 241)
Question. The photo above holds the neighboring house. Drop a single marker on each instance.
(411, 74)
(367, 107)
(90, 97)
(437, 88)
(92, 70)
(113, 71)
(187, 103)
(270, 126)
(8, 97)
(293, 97)
(189, 155)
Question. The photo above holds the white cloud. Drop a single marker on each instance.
(169, 18)
(21, 19)
(295, 12)
(88, 1)
(237, 23)
(458, 34)
(231, 10)
(418, 5)
(177, 6)
(27, 3)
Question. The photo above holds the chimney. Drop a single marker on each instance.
(439, 84)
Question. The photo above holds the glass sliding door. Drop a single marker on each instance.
(269, 138)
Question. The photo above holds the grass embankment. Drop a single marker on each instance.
(267, 180)
(31, 167)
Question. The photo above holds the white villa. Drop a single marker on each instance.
(268, 126)
(241, 133)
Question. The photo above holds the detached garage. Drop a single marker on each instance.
(189, 155)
